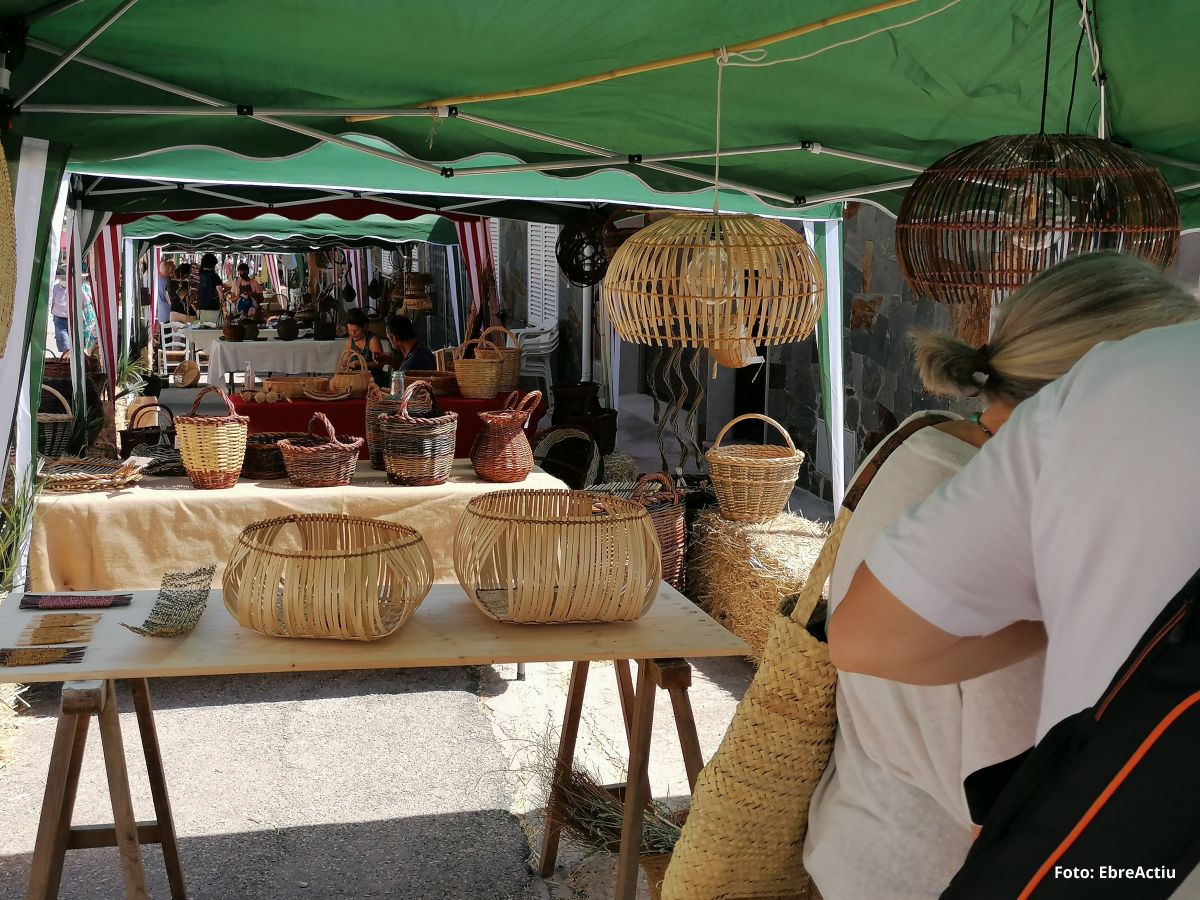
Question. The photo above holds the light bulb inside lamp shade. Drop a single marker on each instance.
(719, 282)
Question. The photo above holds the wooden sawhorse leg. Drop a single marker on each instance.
(81, 700)
(674, 676)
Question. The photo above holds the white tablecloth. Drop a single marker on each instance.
(279, 357)
(204, 338)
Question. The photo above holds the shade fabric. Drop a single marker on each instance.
(104, 264)
(477, 259)
(127, 539)
(270, 230)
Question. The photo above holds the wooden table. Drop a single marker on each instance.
(447, 630)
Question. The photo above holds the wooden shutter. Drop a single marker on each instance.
(543, 276)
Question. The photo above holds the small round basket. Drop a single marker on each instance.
(753, 481)
(478, 377)
(378, 404)
(508, 351)
(264, 459)
(54, 429)
(280, 572)
(545, 556)
(186, 374)
(661, 499)
(212, 447)
(321, 463)
(418, 450)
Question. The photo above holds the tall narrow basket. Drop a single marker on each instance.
(508, 351)
(278, 578)
(321, 463)
(212, 447)
(378, 404)
(501, 452)
(753, 482)
(665, 507)
(545, 556)
(478, 377)
(54, 429)
(418, 450)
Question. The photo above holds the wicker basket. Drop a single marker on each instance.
(570, 454)
(545, 556)
(130, 437)
(444, 359)
(292, 387)
(501, 452)
(444, 384)
(54, 429)
(352, 375)
(667, 512)
(379, 403)
(509, 356)
(382, 572)
(264, 459)
(418, 451)
(186, 374)
(212, 447)
(57, 368)
(317, 463)
(478, 377)
(753, 482)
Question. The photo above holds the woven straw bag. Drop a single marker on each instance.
(212, 447)
(417, 450)
(320, 463)
(508, 351)
(382, 571)
(352, 375)
(379, 403)
(54, 429)
(501, 452)
(753, 481)
(744, 836)
(478, 377)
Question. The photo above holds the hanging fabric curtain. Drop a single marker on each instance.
(271, 261)
(355, 272)
(455, 300)
(104, 264)
(476, 246)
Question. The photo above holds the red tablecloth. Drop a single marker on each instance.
(349, 417)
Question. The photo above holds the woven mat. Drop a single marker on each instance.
(181, 602)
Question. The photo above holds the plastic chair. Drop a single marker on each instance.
(538, 346)
(174, 346)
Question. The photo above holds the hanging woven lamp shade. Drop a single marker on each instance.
(727, 283)
(987, 218)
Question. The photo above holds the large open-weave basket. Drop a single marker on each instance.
(546, 556)
(478, 376)
(379, 403)
(418, 450)
(212, 447)
(753, 481)
(326, 576)
(321, 463)
(54, 429)
(508, 351)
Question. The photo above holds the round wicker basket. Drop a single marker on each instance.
(753, 482)
(352, 375)
(501, 452)
(508, 351)
(321, 463)
(545, 556)
(212, 447)
(379, 403)
(416, 450)
(382, 571)
(54, 429)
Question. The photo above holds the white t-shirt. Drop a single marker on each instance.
(1083, 512)
(889, 818)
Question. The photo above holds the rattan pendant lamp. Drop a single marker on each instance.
(726, 283)
(987, 218)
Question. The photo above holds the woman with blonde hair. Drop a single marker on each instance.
(890, 817)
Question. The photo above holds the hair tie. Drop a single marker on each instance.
(981, 366)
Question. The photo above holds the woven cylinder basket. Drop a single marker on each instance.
(478, 376)
(54, 429)
(545, 556)
(327, 576)
(753, 481)
(212, 447)
(508, 351)
(418, 450)
(379, 403)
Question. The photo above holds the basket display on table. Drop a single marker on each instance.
(417, 450)
(275, 580)
(292, 387)
(379, 403)
(443, 384)
(212, 447)
(351, 375)
(130, 437)
(501, 452)
(54, 429)
(546, 556)
(264, 459)
(320, 463)
(753, 481)
(508, 351)
(73, 475)
(478, 376)
(666, 510)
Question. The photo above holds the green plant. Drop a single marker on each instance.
(131, 374)
(16, 515)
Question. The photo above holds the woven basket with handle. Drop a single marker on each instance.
(57, 368)
(212, 447)
(444, 384)
(352, 375)
(54, 429)
(378, 404)
(264, 459)
(478, 376)
(508, 351)
(382, 571)
(753, 481)
(321, 463)
(501, 452)
(130, 437)
(418, 450)
(658, 495)
(546, 556)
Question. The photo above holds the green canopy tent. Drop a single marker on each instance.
(276, 234)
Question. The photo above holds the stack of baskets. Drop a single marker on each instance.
(212, 447)
(54, 429)
(378, 404)
(753, 481)
(418, 450)
(320, 463)
(478, 376)
(508, 351)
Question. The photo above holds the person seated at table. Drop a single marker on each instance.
(183, 307)
(407, 351)
(361, 341)
(212, 289)
(248, 291)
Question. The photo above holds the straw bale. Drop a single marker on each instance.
(740, 572)
(618, 466)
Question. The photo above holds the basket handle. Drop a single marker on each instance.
(61, 399)
(461, 349)
(668, 492)
(155, 406)
(344, 366)
(528, 403)
(374, 391)
(319, 418)
(224, 396)
(512, 338)
(787, 437)
(409, 392)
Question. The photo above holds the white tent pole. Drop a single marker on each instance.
(130, 281)
(455, 299)
(837, 391)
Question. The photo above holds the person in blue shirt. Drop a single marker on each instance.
(407, 350)
(212, 289)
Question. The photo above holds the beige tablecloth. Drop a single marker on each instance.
(128, 539)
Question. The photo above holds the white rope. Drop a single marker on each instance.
(722, 62)
(1085, 22)
(749, 56)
